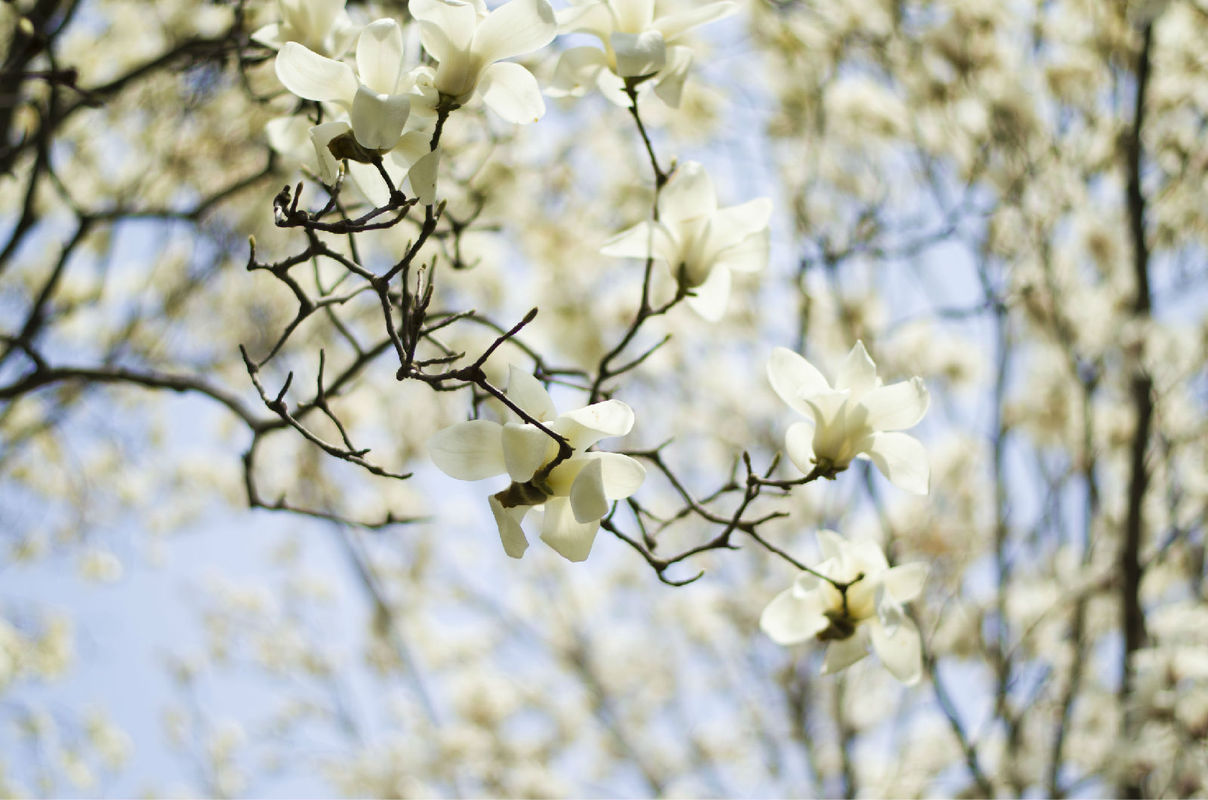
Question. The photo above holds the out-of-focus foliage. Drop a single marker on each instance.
(1008, 200)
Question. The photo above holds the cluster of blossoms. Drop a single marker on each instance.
(381, 114)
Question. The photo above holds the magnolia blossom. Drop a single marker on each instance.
(573, 495)
(639, 44)
(698, 241)
(320, 25)
(865, 608)
(470, 44)
(853, 419)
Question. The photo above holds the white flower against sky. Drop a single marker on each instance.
(698, 241)
(569, 499)
(868, 611)
(639, 43)
(321, 25)
(856, 418)
(470, 44)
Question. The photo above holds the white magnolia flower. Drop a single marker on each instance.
(856, 418)
(321, 25)
(698, 241)
(572, 496)
(639, 43)
(868, 611)
(470, 44)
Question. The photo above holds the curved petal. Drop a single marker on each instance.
(289, 136)
(510, 532)
(688, 194)
(571, 539)
(799, 446)
(842, 654)
(792, 618)
(586, 426)
(638, 54)
(670, 86)
(633, 15)
(833, 546)
(515, 28)
(423, 177)
(644, 240)
(369, 180)
(314, 77)
(749, 254)
(446, 27)
(794, 379)
(587, 500)
(622, 475)
(594, 18)
(527, 392)
(378, 119)
(902, 459)
(525, 449)
(857, 372)
(321, 136)
(469, 451)
(380, 56)
(905, 583)
(747, 218)
(576, 71)
(710, 298)
(672, 25)
(512, 92)
(269, 36)
(899, 648)
(896, 406)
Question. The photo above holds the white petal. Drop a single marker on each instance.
(710, 298)
(378, 119)
(794, 379)
(559, 529)
(857, 372)
(369, 180)
(525, 450)
(587, 499)
(446, 27)
(799, 446)
(750, 254)
(833, 546)
(644, 240)
(510, 532)
(670, 86)
(289, 136)
(672, 25)
(423, 177)
(586, 426)
(576, 71)
(314, 77)
(594, 18)
(902, 459)
(515, 28)
(688, 194)
(411, 147)
(842, 654)
(905, 583)
(633, 15)
(897, 406)
(269, 36)
(512, 92)
(791, 618)
(899, 648)
(380, 56)
(320, 137)
(469, 451)
(622, 475)
(529, 393)
(639, 54)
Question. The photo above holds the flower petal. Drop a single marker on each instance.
(468, 451)
(902, 459)
(842, 654)
(791, 618)
(269, 36)
(799, 446)
(897, 406)
(639, 54)
(644, 240)
(559, 529)
(594, 18)
(527, 392)
(314, 77)
(622, 475)
(794, 379)
(446, 27)
(833, 546)
(380, 56)
(289, 136)
(857, 372)
(515, 28)
(378, 119)
(633, 15)
(905, 583)
(710, 298)
(512, 92)
(525, 449)
(576, 71)
(586, 426)
(423, 177)
(749, 254)
(899, 648)
(587, 499)
(672, 25)
(320, 137)
(510, 531)
(688, 194)
(670, 86)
